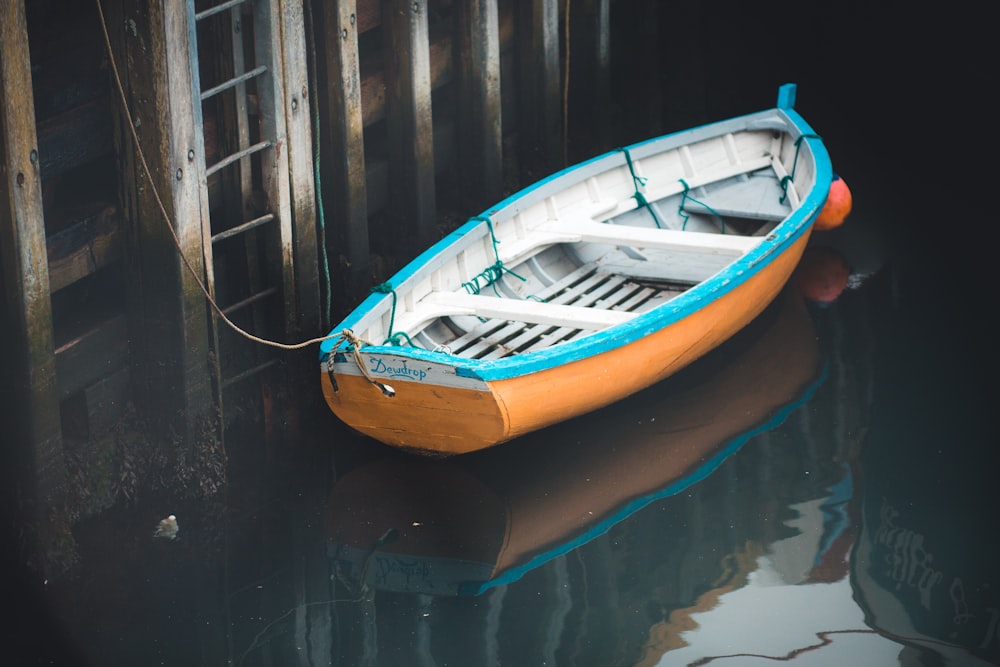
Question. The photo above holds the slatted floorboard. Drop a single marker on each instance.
(589, 286)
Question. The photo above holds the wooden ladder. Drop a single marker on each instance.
(254, 163)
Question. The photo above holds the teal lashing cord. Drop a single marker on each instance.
(638, 182)
(491, 274)
(688, 198)
(795, 163)
(394, 337)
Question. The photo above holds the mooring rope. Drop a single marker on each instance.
(166, 217)
(354, 345)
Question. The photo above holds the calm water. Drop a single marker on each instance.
(820, 491)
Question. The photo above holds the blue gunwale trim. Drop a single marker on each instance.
(719, 285)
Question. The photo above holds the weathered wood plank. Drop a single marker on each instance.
(540, 112)
(74, 138)
(29, 384)
(274, 163)
(480, 144)
(731, 245)
(167, 308)
(84, 246)
(412, 209)
(299, 101)
(580, 297)
(523, 310)
(442, 71)
(368, 15)
(342, 146)
(469, 343)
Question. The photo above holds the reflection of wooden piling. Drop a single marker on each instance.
(28, 310)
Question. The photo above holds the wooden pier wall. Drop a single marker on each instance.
(395, 121)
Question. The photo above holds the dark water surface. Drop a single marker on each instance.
(819, 491)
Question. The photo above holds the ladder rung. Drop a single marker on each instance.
(245, 227)
(228, 160)
(232, 83)
(212, 11)
(248, 373)
(250, 300)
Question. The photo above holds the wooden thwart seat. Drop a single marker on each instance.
(577, 308)
(648, 237)
(488, 333)
(525, 310)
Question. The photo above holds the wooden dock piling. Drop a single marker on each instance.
(167, 310)
(480, 124)
(540, 125)
(300, 100)
(30, 361)
(283, 137)
(342, 145)
(406, 45)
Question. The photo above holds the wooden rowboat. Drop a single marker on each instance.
(583, 288)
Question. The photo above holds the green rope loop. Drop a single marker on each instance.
(795, 163)
(638, 182)
(688, 198)
(393, 337)
(491, 274)
(320, 208)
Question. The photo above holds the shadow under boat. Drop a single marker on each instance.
(463, 526)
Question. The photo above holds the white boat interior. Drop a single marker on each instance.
(595, 247)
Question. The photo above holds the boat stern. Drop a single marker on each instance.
(412, 403)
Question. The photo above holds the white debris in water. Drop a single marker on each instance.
(167, 528)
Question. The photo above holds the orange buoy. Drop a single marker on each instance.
(838, 205)
(822, 274)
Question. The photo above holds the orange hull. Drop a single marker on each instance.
(447, 420)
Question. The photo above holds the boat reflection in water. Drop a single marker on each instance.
(463, 526)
